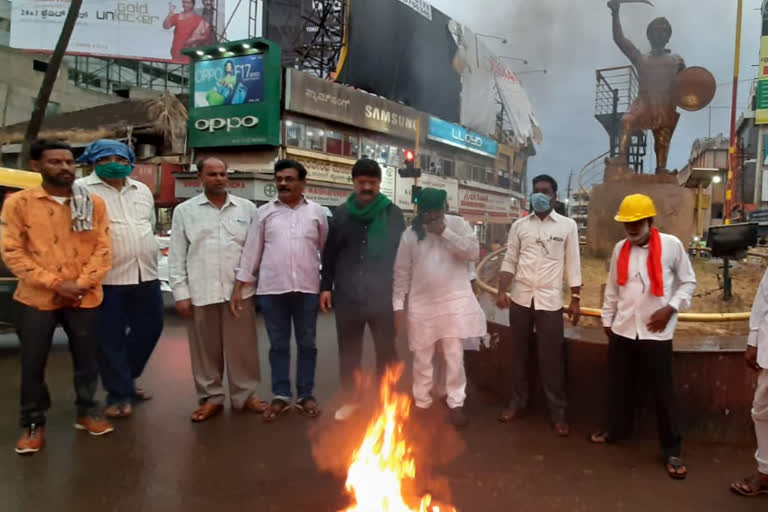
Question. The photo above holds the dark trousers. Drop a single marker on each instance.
(637, 365)
(279, 311)
(130, 325)
(35, 329)
(550, 346)
(350, 325)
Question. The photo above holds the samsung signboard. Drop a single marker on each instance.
(235, 95)
(460, 137)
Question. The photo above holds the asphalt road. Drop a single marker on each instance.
(159, 461)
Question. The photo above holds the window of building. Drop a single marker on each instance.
(447, 167)
(294, 134)
(334, 143)
(315, 139)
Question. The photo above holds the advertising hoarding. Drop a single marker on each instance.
(229, 81)
(494, 207)
(143, 29)
(761, 109)
(242, 108)
(458, 136)
(312, 96)
(403, 50)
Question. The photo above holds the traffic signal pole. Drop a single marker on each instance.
(732, 157)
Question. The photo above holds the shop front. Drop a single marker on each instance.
(490, 212)
(403, 197)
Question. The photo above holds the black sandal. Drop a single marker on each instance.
(277, 408)
(308, 407)
(674, 465)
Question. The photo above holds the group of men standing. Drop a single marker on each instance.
(86, 258)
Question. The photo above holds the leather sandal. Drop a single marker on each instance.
(253, 404)
(206, 411)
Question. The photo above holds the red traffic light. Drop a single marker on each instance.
(409, 156)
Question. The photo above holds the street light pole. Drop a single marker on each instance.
(732, 145)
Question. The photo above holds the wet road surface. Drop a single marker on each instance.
(159, 461)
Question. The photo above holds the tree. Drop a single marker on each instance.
(51, 73)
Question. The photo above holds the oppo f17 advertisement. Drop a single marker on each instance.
(229, 81)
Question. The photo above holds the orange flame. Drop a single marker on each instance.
(384, 459)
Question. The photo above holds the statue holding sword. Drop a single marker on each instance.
(664, 84)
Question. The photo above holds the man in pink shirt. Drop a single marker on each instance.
(282, 252)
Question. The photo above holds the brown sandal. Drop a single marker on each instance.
(255, 405)
(277, 408)
(206, 411)
(753, 485)
(116, 411)
(308, 407)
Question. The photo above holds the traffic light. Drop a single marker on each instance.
(415, 191)
(410, 170)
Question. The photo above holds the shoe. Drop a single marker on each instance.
(31, 441)
(345, 412)
(115, 411)
(95, 426)
(458, 417)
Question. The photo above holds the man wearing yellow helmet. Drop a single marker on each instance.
(650, 280)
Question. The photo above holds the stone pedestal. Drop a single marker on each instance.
(675, 206)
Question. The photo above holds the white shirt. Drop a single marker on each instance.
(627, 309)
(434, 275)
(758, 323)
(205, 249)
(131, 212)
(537, 253)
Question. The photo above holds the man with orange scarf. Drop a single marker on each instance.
(650, 280)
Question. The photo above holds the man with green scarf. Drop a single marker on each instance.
(432, 273)
(358, 258)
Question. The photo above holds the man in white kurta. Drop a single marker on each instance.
(756, 357)
(432, 274)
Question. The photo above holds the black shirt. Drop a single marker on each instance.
(354, 276)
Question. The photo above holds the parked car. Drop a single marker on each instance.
(11, 180)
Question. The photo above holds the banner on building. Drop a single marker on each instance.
(761, 109)
(484, 80)
(144, 29)
(481, 203)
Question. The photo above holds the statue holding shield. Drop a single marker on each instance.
(664, 84)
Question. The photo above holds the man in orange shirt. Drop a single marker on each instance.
(55, 239)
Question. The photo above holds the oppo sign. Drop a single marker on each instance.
(227, 124)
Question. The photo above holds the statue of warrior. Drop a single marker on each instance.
(655, 107)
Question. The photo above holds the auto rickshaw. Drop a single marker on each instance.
(11, 180)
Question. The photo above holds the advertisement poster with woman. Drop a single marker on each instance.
(229, 81)
(138, 29)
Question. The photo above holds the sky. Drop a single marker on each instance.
(571, 39)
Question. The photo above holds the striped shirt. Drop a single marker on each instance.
(283, 248)
(205, 250)
(131, 213)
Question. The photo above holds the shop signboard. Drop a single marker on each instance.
(147, 174)
(459, 137)
(262, 190)
(483, 202)
(236, 96)
(145, 29)
(387, 188)
(403, 190)
(326, 170)
(315, 97)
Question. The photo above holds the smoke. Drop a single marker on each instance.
(573, 39)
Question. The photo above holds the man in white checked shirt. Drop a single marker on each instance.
(132, 311)
(207, 240)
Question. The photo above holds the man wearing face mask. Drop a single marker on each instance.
(540, 248)
(132, 312)
(650, 280)
(358, 261)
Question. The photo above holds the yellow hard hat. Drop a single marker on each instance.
(635, 207)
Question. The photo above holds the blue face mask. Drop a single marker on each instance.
(541, 202)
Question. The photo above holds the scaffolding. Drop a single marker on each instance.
(616, 89)
(310, 32)
(118, 76)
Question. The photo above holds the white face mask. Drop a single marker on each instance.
(640, 237)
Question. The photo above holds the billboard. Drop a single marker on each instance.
(315, 97)
(144, 29)
(407, 58)
(229, 81)
(236, 100)
(459, 137)
(284, 22)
